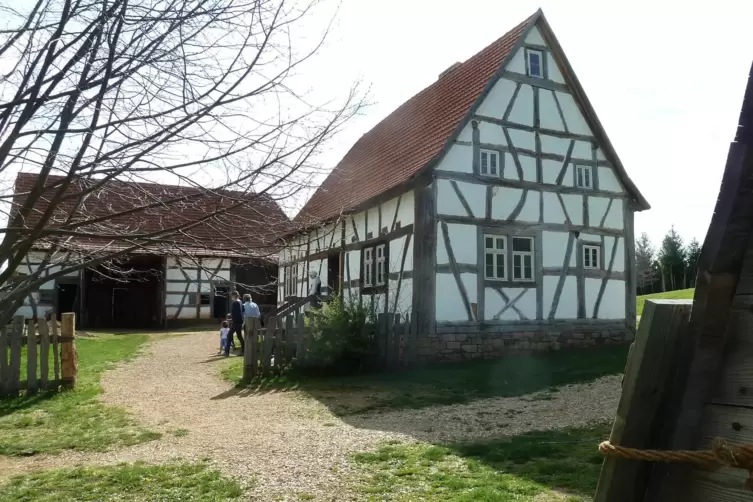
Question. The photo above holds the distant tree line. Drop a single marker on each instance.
(673, 266)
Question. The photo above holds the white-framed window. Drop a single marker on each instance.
(489, 163)
(291, 273)
(591, 256)
(368, 263)
(380, 265)
(522, 259)
(583, 177)
(535, 60)
(495, 257)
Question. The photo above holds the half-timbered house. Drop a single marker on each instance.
(491, 207)
(187, 276)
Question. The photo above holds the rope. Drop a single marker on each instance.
(720, 454)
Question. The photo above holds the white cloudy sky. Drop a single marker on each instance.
(666, 79)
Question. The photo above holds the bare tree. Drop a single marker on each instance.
(98, 95)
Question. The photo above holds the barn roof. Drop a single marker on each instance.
(247, 223)
(415, 135)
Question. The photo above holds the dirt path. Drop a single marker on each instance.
(283, 444)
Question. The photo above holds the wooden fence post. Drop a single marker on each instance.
(266, 345)
(649, 378)
(297, 345)
(44, 353)
(249, 354)
(55, 351)
(16, 338)
(68, 355)
(31, 357)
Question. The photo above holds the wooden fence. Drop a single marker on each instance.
(47, 348)
(287, 338)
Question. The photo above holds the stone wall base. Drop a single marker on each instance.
(482, 345)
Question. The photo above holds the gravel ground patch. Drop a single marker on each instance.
(281, 444)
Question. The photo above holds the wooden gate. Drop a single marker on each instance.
(49, 355)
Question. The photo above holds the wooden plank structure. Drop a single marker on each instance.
(41, 351)
(288, 338)
(706, 392)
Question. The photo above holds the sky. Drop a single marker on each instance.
(666, 80)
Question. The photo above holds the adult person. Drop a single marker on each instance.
(236, 314)
(315, 289)
(250, 311)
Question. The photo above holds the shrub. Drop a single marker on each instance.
(341, 340)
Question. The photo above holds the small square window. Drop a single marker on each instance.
(46, 296)
(583, 177)
(591, 257)
(489, 165)
(535, 60)
(205, 299)
(495, 257)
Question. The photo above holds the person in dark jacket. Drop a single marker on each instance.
(236, 312)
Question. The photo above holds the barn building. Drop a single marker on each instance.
(185, 278)
(491, 207)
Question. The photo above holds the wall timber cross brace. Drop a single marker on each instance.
(720, 454)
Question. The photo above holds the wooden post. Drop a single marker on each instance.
(44, 353)
(285, 343)
(31, 357)
(300, 351)
(657, 350)
(68, 355)
(266, 345)
(16, 338)
(252, 331)
(55, 351)
(4, 367)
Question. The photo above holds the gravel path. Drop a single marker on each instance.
(283, 444)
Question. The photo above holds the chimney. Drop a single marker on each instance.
(449, 70)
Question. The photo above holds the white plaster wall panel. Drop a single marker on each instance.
(504, 202)
(493, 303)
(448, 201)
(509, 171)
(534, 37)
(174, 274)
(463, 242)
(466, 134)
(522, 109)
(568, 305)
(396, 254)
(554, 248)
(528, 165)
(615, 216)
(205, 287)
(597, 207)
(518, 63)
(360, 221)
(404, 296)
(495, 103)
(608, 180)
(372, 224)
(522, 139)
(555, 74)
(27, 312)
(589, 237)
(575, 121)
(613, 302)
(552, 209)
(619, 257)
(526, 304)
(170, 312)
(354, 264)
(554, 145)
(205, 312)
(574, 207)
(406, 214)
(475, 196)
(388, 213)
(459, 158)
(349, 233)
(530, 211)
(175, 298)
(582, 150)
(449, 303)
(549, 115)
(550, 169)
(491, 133)
(600, 154)
(591, 289)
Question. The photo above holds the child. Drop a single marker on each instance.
(229, 321)
(224, 331)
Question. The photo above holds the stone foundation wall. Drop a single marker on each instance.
(481, 345)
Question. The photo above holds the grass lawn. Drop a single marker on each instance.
(681, 294)
(448, 384)
(51, 422)
(125, 482)
(521, 468)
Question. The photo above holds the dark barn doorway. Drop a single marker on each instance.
(333, 273)
(257, 278)
(67, 299)
(220, 308)
(126, 295)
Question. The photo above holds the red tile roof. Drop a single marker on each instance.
(410, 137)
(249, 228)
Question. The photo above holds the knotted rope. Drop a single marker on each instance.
(720, 454)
